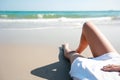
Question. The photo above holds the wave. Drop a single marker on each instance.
(4, 16)
(56, 15)
(32, 16)
(62, 19)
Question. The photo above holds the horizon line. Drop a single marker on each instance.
(59, 10)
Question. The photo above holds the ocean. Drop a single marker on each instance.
(30, 20)
(57, 14)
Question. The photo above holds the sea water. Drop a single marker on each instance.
(29, 20)
(57, 14)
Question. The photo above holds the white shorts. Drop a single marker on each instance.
(90, 69)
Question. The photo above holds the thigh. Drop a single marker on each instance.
(97, 41)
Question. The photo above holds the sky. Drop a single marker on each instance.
(59, 5)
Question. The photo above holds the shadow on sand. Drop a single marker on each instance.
(55, 71)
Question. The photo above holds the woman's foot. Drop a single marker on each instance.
(68, 53)
(67, 50)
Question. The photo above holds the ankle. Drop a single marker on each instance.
(78, 51)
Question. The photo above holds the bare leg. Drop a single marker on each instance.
(91, 36)
(98, 43)
(83, 44)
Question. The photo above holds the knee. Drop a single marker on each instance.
(88, 25)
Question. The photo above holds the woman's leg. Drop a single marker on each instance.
(98, 43)
(91, 36)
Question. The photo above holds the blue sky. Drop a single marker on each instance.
(59, 5)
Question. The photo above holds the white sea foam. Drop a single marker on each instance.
(40, 16)
(4, 16)
(85, 19)
(27, 20)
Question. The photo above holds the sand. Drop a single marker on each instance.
(37, 54)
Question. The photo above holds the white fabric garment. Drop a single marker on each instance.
(90, 69)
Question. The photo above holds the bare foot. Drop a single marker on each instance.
(70, 54)
(67, 50)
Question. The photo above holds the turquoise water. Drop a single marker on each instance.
(57, 14)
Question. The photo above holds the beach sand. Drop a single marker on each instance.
(37, 54)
